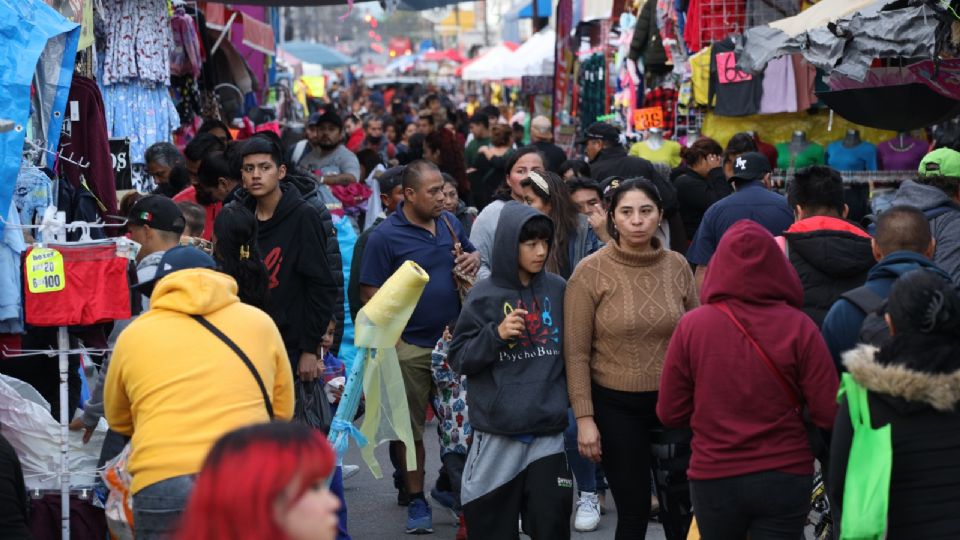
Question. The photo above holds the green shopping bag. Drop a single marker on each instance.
(866, 493)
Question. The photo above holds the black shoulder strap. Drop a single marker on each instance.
(864, 298)
(229, 342)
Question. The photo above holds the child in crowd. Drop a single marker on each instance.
(453, 427)
(508, 343)
(334, 370)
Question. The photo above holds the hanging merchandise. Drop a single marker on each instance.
(779, 87)
(138, 42)
(11, 246)
(766, 11)
(33, 194)
(700, 76)
(666, 99)
(805, 75)
(185, 56)
(143, 115)
(738, 93)
(593, 91)
(709, 21)
(860, 156)
(56, 38)
(87, 138)
(901, 153)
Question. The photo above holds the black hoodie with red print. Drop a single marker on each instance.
(303, 291)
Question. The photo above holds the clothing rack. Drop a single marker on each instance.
(39, 147)
(780, 177)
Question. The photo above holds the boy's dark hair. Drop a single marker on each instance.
(214, 166)
(492, 111)
(261, 145)
(902, 228)
(480, 118)
(741, 143)
(202, 145)
(818, 190)
(578, 166)
(195, 216)
(577, 183)
(947, 184)
(210, 124)
(537, 228)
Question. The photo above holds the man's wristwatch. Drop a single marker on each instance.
(323, 179)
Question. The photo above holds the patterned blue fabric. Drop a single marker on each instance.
(32, 195)
(144, 115)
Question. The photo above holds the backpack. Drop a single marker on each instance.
(873, 330)
(299, 150)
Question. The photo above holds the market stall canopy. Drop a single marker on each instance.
(534, 57)
(257, 34)
(449, 55)
(544, 9)
(490, 65)
(843, 36)
(317, 53)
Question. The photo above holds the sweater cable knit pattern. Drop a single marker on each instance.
(621, 309)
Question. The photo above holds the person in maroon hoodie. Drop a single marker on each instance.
(751, 468)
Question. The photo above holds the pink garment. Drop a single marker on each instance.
(185, 57)
(779, 87)
(805, 76)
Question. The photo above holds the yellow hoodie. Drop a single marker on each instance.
(176, 388)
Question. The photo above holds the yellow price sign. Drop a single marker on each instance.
(45, 271)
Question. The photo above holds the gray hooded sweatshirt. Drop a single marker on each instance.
(944, 215)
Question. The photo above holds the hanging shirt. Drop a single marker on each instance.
(901, 155)
(737, 93)
(668, 152)
(812, 154)
(862, 157)
(12, 245)
(779, 87)
(700, 77)
(805, 75)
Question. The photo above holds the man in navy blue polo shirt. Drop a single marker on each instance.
(753, 200)
(417, 232)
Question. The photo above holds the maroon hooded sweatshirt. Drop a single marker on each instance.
(714, 381)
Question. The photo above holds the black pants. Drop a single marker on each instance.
(625, 420)
(542, 495)
(770, 505)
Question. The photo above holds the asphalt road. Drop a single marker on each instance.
(374, 514)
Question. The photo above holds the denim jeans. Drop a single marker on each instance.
(157, 507)
(584, 470)
(336, 487)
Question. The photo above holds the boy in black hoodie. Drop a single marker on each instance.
(508, 344)
(303, 291)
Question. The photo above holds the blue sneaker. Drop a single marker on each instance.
(419, 517)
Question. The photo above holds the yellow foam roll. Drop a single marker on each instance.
(381, 322)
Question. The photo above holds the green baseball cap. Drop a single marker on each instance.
(941, 162)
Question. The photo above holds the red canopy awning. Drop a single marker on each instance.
(451, 55)
(257, 34)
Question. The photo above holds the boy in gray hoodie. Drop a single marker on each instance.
(508, 344)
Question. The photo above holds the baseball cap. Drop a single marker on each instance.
(173, 260)
(610, 183)
(750, 166)
(159, 213)
(541, 124)
(390, 179)
(601, 131)
(328, 116)
(940, 162)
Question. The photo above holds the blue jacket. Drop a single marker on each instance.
(841, 327)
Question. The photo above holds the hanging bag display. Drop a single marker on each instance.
(866, 492)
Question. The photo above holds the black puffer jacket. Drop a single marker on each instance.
(831, 259)
(646, 42)
(911, 386)
(308, 190)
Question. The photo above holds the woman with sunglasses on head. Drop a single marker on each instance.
(621, 305)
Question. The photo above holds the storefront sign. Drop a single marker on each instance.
(122, 168)
(45, 271)
(648, 117)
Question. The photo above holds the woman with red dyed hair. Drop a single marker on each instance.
(264, 481)
(445, 151)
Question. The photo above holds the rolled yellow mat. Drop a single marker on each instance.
(381, 322)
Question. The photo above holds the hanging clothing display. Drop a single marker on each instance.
(95, 288)
(709, 21)
(766, 11)
(805, 75)
(901, 153)
(668, 152)
(666, 99)
(737, 93)
(88, 140)
(143, 115)
(138, 42)
(700, 76)
(779, 87)
(593, 91)
(33, 194)
(186, 57)
(862, 157)
(12, 245)
(57, 39)
(646, 44)
(768, 150)
(187, 97)
(812, 154)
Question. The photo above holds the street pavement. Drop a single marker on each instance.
(375, 515)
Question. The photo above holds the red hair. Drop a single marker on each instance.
(451, 156)
(246, 472)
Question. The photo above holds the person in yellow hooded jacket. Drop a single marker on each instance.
(175, 387)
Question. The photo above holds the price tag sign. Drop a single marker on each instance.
(648, 117)
(45, 271)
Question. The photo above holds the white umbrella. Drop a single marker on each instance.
(534, 57)
(489, 66)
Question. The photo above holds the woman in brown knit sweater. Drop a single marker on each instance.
(621, 306)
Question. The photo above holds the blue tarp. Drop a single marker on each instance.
(544, 9)
(27, 29)
(317, 53)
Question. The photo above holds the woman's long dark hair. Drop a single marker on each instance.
(451, 156)
(238, 254)
(503, 192)
(565, 219)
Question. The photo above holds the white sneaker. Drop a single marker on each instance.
(588, 513)
(350, 471)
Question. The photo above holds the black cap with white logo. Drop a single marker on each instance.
(750, 166)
